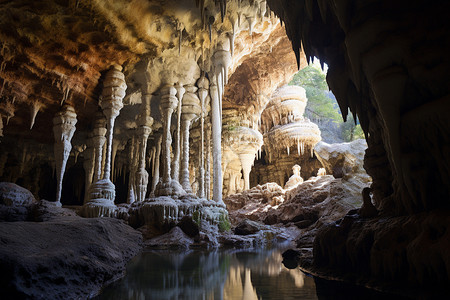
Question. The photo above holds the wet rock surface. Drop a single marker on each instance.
(64, 258)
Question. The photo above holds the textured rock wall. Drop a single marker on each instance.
(387, 64)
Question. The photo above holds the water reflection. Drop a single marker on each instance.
(224, 275)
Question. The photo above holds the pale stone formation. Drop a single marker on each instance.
(143, 131)
(203, 86)
(321, 172)
(63, 130)
(289, 138)
(191, 109)
(167, 186)
(102, 192)
(216, 130)
(295, 179)
(241, 146)
(285, 127)
(177, 150)
(155, 166)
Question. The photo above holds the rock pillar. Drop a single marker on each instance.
(102, 193)
(155, 178)
(191, 109)
(203, 85)
(143, 131)
(177, 150)
(216, 132)
(167, 186)
(63, 130)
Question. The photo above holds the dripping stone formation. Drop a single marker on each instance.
(167, 110)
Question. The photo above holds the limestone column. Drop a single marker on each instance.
(177, 149)
(208, 162)
(132, 167)
(191, 109)
(143, 131)
(155, 178)
(63, 130)
(167, 186)
(98, 141)
(88, 165)
(216, 134)
(102, 193)
(168, 104)
(111, 103)
(203, 85)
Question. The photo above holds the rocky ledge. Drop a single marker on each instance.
(64, 257)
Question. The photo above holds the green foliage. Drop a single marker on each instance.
(322, 106)
(224, 223)
(351, 131)
(313, 80)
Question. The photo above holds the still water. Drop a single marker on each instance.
(237, 274)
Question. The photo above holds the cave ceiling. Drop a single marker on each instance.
(54, 52)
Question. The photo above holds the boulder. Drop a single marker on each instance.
(174, 239)
(16, 202)
(247, 227)
(67, 258)
(341, 159)
(189, 226)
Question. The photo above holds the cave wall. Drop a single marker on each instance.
(387, 63)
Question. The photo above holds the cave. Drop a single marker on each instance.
(130, 125)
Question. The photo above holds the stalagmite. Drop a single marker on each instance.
(143, 131)
(190, 110)
(216, 143)
(177, 151)
(63, 130)
(167, 186)
(102, 193)
(203, 85)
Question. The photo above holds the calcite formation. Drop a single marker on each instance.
(63, 130)
(289, 138)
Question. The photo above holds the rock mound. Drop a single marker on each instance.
(68, 258)
(16, 202)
